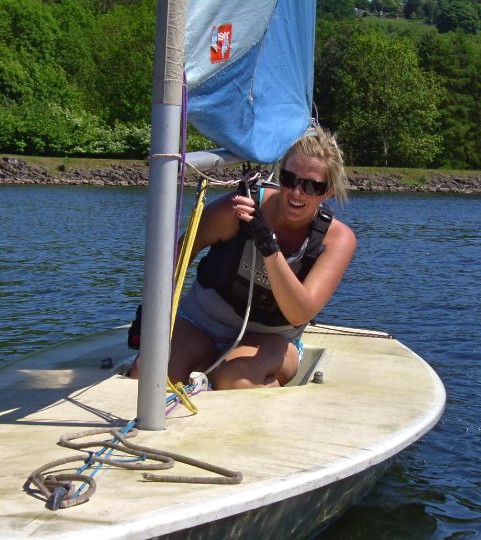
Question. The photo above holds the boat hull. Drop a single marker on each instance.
(297, 517)
(306, 452)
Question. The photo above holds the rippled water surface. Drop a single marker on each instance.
(71, 263)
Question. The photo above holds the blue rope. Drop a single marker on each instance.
(108, 451)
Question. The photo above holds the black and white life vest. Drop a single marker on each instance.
(227, 268)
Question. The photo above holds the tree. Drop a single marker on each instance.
(386, 105)
(75, 25)
(124, 47)
(413, 9)
(28, 26)
(363, 4)
(388, 7)
(454, 14)
(455, 59)
(430, 9)
(335, 9)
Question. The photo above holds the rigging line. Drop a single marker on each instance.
(213, 181)
(328, 330)
(224, 355)
(105, 450)
(179, 278)
(108, 451)
(183, 147)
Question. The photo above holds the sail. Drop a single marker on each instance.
(249, 68)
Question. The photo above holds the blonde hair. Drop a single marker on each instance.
(322, 145)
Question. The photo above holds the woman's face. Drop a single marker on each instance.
(297, 206)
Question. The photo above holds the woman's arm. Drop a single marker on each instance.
(217, 224)
(300, 302)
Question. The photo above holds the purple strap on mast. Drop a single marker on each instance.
(183, 148)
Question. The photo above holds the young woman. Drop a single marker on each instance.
(301, 253)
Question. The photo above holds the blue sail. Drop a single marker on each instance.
(249, 69)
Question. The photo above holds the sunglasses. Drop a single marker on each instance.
(313, 188)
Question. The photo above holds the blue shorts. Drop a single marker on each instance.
(222, 346)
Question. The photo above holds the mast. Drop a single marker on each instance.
(161, 222)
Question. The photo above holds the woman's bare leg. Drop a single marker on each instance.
(191, 350)
(260, 360)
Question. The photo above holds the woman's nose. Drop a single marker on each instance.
(298, 190)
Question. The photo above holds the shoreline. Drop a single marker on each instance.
(16, 170)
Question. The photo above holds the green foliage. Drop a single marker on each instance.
(124, 46)
(421, 9)
(28, 26)
(447, 15)
(46, 128)
(197, 141)
(457, 14)
(363, 4)
(13, 76)
(335, 9)
(391, 8)
(75, 78)
(385, 106)
(74, 47)
(103, 6)
(455, 59)
(409, 28)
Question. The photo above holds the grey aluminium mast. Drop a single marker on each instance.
(161, 213)
(161, 210)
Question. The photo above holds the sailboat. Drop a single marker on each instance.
(88, 451)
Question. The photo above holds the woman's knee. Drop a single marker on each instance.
(261, 360)
(235, 376)
(191, 350)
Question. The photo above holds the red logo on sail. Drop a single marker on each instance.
(221, 42)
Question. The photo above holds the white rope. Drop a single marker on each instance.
(248, 177)
(224, 355)
(213, 181)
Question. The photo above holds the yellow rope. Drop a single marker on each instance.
(186, 250)
(180, 273)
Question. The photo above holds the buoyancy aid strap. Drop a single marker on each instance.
(321, 223)
(317, 231)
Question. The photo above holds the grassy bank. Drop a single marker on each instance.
(55, 164)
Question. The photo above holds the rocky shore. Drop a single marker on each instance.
(18, 171)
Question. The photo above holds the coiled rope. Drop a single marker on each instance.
(59, 491)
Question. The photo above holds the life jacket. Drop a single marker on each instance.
(227, 268)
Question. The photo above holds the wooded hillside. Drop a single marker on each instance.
(401, 89)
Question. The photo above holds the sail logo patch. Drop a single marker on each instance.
(220, 43)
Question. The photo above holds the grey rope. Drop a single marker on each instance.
(58, 488)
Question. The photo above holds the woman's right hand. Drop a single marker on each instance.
(243, 207)
(255, 225)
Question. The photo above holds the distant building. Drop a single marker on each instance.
(361, 12)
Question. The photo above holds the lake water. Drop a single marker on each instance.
(71, 263)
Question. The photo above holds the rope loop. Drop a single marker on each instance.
(58, 489)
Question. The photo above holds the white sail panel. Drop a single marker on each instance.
(250, 73)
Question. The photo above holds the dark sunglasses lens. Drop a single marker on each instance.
(310, 187)
(288, 179)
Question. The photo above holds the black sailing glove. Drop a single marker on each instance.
(264, 239)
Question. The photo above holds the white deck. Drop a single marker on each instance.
(376, 399)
